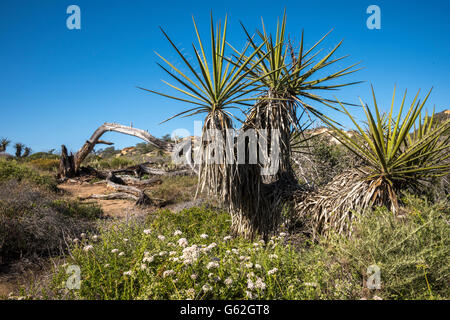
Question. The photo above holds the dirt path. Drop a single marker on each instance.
(112, 208)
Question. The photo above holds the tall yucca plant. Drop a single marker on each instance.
(288, 82)
(396, 157)
(219, 86)
(4, 144)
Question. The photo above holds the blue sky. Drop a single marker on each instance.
(58, 85)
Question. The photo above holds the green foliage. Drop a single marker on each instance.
(35, 223)
(130, 260)
(175, 189)
(397, 158)
(411, 251)
(43, 155)
(291, 74)
(45, 164)
(111, 163)
(76, 209)
(220, 85)
(12, 170)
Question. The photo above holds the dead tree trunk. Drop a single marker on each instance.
(70, 164)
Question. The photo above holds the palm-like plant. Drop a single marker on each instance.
(19, 148)
(395, 157)
(219, 86)
(288, 83)
(225, 83)
(4, 144)
(26, 152)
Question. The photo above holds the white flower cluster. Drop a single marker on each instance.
(183, 242)
(168, 273)
(212, 265)
(190, 254)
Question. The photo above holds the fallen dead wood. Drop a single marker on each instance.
(113, 196)
(118, 184)
(141, 169)
(70, 164)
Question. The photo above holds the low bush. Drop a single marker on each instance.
(34, 223)
(12, 170)
(175, 189)
(45, 164)
(190, 255)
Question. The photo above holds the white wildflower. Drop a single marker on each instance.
(114, 250)
(183, 242)
(148, 259)
(273, 271)
(206, 288)
(121, 254)
(177, 232)
(203, 236)
(259, 284)
(190, 293)
(257, 266)
(168, 273)
(227, 238)
(250, 284)
(88, 248)
(147, 231)
(212, 265)
(128, 273)
(193, 276)
(161, 237)
(228, 281)
(310, 284)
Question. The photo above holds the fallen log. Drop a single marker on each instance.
(70, 164)
(118, 184)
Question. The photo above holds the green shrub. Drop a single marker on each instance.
(129, 260)
(412, 252)
(45, 164)
(175, 189)
(34, 223)
(12, 170)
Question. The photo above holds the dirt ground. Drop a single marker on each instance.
(111, 208)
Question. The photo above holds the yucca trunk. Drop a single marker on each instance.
(258, 198)
(275, 112)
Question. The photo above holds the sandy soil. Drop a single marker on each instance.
(112, 208)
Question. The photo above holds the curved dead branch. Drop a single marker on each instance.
(70, 164)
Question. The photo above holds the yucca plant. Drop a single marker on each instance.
(4, 144)
(19, 148)
(285, 89)
(219, 87)
(395, 158)
(288, 84)
(398, 158)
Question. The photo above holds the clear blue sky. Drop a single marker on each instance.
(58, 85)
